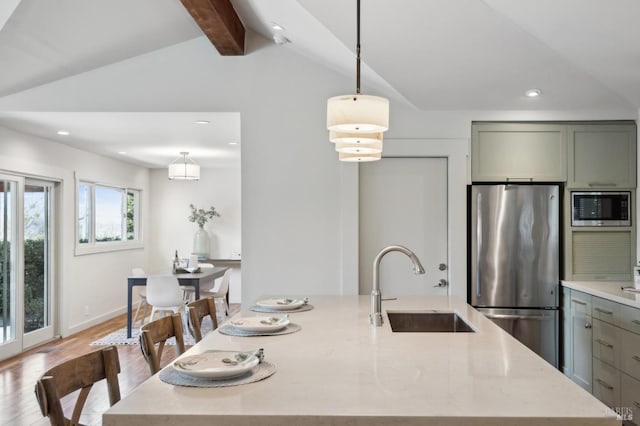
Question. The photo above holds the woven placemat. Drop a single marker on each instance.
(230, 330)
(260, 372)
(256, 308)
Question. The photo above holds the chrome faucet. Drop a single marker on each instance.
(376, 297)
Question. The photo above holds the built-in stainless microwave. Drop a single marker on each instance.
(606, 208)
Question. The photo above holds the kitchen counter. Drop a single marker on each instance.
(611, 290)
(338, 370)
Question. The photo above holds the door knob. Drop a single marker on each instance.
(442, 283)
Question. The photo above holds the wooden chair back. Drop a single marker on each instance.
(198, 310)
(157, 332)
(79, 373)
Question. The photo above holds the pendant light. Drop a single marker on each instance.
(183, 168)
(358, 158)
(356, 122)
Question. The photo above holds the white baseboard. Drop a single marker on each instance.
(93, 321)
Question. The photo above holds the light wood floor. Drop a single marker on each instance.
(19, 374)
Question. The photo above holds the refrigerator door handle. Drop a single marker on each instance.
(522, 317)
(478, 242)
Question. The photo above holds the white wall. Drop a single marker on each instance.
(95, 281)
(299, 219)
(169, 209)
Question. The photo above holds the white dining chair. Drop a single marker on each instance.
(188, 292)
(142, 297)
(164, 295)
(219, 295)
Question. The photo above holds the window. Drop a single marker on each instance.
(108, 218)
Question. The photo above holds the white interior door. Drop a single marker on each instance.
(404, 201)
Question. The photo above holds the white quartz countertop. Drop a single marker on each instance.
(611, 290)
(338, 370)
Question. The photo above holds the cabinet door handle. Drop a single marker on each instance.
(519, 179)
(579, 302)
(587, 325)
(636, 358)
(604, 384)
(636, 322)
(602, 184)
(603, 343)
(602, 311)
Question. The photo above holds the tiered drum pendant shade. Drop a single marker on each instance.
(356, 122)
(183, 168)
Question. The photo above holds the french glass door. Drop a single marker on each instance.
(26, 316)
(37, 254)
(10, 268)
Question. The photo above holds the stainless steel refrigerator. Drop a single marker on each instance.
(515, 261)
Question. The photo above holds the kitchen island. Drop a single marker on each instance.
(338, 370)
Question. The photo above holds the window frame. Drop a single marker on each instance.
(93, 246)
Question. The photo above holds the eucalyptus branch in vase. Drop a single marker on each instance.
(202, 216)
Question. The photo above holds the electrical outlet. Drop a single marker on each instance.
(86, 310)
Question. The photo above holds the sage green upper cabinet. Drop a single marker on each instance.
(602, 156)
(518, 152)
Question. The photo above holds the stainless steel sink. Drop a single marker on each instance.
(427, 321)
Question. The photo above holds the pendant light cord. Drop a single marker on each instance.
(358, 48)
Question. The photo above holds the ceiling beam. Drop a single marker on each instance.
(220, 23)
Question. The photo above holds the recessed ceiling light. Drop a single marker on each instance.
(122, 152)
(276, 27)
(64, 132)
(202, 122)
(533, 93)
(233, 143)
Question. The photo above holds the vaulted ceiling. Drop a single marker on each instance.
(426, 54)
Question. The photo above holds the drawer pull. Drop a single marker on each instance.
(602, 311)
(580, 302)
(604, 384)
(636, 322)
(602, 184)
(636, 358)
(603, 343)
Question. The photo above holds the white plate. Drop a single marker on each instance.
(283, 304)
(210, 364)
(260, 324)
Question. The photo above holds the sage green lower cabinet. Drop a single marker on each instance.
(579, 364)
(630, 398)
(606, 383)
(614, 355)
(566, 362)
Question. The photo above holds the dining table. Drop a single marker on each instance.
(195, 280)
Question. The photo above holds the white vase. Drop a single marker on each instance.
(201, 243)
